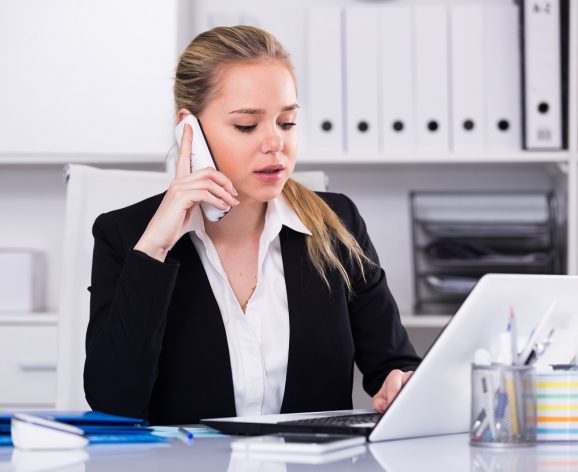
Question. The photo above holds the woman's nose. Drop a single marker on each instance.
(273, 142)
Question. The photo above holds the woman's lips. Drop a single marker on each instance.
(270, 174)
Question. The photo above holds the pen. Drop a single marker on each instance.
(515, 361)
(481, 423)
(185, 433)
(488, 393)
(539, 348)
(514, 336)
(535, 335)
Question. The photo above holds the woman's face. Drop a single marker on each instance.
(250, 127)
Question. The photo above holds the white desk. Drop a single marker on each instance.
(442, 453)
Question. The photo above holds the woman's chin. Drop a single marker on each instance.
(264, 194)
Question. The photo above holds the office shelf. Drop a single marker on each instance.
(15, 318)
(306, 158)
(60, 159)
(411, 157)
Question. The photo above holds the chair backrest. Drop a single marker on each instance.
(90, 192)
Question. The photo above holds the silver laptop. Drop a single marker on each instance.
(436, 399)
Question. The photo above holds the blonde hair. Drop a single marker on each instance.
(197, 81)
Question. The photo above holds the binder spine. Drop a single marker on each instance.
(564, 66)
(544, 71)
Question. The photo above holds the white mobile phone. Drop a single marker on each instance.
(201, 158)
(298, 443)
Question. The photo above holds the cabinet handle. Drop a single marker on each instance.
(38, 367)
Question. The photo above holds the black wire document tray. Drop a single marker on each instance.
(460, 236)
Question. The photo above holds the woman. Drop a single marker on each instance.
(262, 312)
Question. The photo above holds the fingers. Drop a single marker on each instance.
(207, 197)
(406, 376)
(389, 390)
(201, 187)
(212, 188)
(216, 176)
(186, 149)
(394, 385)
(210, 179)
(379, 403)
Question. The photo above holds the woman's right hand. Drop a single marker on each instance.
(186, 190)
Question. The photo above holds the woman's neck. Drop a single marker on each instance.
(242, 222)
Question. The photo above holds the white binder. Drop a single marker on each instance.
(397, 79)
(431, 74)
(467, 77)
(361, 81)
(502, 77)
(324, 65)
(542, 75)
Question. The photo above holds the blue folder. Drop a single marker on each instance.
(99, 428)
(77, 418)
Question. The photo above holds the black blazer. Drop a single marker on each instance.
(156, 346)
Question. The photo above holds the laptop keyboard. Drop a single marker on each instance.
(342, 420)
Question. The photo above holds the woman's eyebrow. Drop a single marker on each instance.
(260, 111)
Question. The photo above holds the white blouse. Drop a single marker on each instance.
(258, 339)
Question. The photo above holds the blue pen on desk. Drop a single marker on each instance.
(187, 434)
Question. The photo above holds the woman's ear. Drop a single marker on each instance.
(182, 113)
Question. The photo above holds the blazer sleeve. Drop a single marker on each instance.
(381, 341)
(130, 296)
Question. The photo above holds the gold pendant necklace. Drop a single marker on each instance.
(244, 305)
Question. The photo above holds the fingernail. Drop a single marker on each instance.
(236, 201)
(234, 191)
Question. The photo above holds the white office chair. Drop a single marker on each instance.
(90, 192)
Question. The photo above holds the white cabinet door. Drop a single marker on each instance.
(28, 365)
(87, 78)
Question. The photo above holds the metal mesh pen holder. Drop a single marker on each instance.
(503, 406)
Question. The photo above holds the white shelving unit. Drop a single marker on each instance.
(32, 192)
(29, 361)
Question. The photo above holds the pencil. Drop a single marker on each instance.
(513, 402)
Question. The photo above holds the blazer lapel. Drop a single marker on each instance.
(297, 277)
(195, 294)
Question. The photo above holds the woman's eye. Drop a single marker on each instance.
(246, 129)
(287, 126)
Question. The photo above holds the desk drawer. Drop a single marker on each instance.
(28, 365)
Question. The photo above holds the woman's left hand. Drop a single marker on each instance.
(389, 390)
